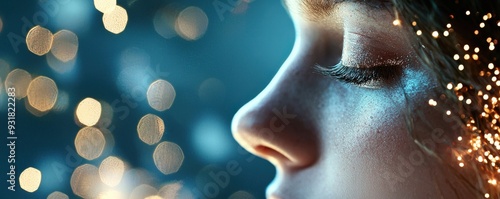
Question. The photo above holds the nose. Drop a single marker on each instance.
(278, 124)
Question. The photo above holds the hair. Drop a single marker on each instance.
(453, 40)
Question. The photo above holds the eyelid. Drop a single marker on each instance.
(361, 76)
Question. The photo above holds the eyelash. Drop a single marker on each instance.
(360, 76)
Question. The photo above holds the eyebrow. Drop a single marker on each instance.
(314, 9)
(318, 9)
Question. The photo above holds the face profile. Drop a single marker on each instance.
(334, 120)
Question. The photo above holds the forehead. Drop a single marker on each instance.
(318, 9)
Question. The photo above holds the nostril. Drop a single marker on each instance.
(274, 156)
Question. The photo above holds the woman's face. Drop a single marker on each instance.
(335, 137)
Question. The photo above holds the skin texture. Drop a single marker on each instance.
(333, 139)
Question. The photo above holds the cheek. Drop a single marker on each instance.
(365, 134)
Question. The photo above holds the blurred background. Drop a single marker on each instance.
(134, 98)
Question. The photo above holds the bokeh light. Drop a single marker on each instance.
(4, 68)
(65, 45)
(33, 110)
(104, 6)
(74, 15)
(161, 95)
(60, 66)
(212, 90)
(90, 143)
(168, 157)
(106, 115)
(39, 40)
(164, 21)
(241, 195)
(111, 171)
(42, 93)
(88, 111)
(212, 138)
(110, 141)
(191, 23)
(57, 195)
(30, 179)
(170, 190)
(111, 194)
(85, 181)
(19, 79)
(153, 197)
(143, 191)
(135, 73)
(150, 129)
(62, 102)
(116, 20)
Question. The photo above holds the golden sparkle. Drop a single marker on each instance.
(65, 45)
(20, 80)
(57, 195)
(466, 47)
(168, 157)
(160, 95)
(432, 102)
(85, 181)
(42, 93)
(446, 33)
(105, 6)
(89, 143)
(116, 20)
(397, 22)
(88, 111)
(435, 34)
(419, 32)
(150, 129)
(39, 40)
(30, 179)
(111, 171)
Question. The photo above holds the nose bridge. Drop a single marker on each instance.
(276, 125)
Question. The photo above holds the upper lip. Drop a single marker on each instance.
(275, 188)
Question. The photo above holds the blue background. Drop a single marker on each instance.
(243, 51)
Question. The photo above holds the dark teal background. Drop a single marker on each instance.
(243, 51)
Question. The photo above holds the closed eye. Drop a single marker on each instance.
(362, 76)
